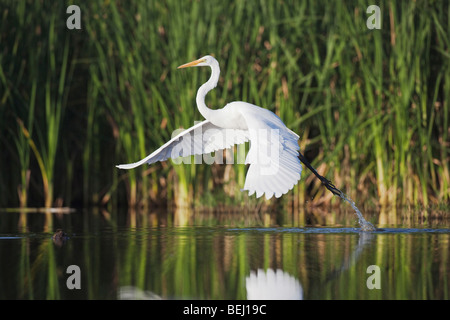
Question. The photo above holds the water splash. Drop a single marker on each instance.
(365, 225)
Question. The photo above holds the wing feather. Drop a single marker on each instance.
(204, 137)
(273, 156)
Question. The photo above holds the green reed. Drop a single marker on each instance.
(35, 83)
(371, 106)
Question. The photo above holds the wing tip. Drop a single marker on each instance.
(127, 166)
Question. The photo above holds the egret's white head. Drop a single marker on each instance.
(208, 61)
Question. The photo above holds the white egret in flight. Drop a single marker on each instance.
(273, 156)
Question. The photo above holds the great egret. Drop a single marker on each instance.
(274, 151)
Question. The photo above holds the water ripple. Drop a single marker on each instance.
(343, 230)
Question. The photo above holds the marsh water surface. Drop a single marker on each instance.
(127, 256)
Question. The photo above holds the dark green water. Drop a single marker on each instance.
(122, 256)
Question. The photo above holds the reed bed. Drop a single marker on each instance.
(371, 106)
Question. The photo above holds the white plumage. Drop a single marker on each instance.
(274, 152)
(272, 285)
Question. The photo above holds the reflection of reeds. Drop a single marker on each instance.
(371, 105)
(209, 261)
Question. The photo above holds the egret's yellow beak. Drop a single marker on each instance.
(191, 64)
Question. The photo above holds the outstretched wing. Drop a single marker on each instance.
(204, 137)
(273, 156)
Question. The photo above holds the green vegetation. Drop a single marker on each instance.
(371, 106)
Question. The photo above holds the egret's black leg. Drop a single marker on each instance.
(365, 226)
(324, 181)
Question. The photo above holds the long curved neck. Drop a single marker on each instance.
(206, 112)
